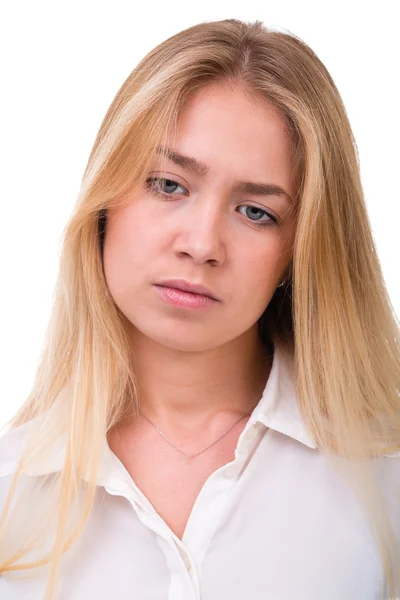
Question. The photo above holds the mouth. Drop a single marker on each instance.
(186, 286)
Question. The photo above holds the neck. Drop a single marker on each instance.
(194, 387)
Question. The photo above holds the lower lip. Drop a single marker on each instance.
(184, 299)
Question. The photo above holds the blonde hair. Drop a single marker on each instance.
(334, 315)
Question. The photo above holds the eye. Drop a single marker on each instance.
(258, 222)
(167, 184)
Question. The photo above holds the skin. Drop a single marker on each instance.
(200, 370)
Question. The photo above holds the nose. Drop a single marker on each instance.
(201, 232)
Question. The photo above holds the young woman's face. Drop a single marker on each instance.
(206, 228)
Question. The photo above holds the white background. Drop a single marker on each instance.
(61, 65)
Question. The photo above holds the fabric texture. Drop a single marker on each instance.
(276, 523)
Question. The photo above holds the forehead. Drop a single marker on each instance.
(225, 103)
(233, 133)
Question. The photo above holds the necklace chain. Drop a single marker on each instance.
(204, 449)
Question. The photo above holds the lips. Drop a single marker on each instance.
(186, 286)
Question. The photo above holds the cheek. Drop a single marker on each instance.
(255, 279)
(131, 244)
(262, 263)
(128, 233)
(260, 270)
(113, 266)
(120, 251)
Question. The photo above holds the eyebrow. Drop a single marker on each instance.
(199, 168)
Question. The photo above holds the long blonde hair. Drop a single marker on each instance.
(334, 315)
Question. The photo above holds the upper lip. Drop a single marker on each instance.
(186, 286)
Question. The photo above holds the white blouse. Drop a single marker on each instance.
(276, 523)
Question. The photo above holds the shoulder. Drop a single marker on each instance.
(11, 447)
(31, 483)
(43, 437)
(12, 443)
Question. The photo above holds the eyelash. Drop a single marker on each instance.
(273, 222)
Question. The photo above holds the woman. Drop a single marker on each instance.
(216, 413)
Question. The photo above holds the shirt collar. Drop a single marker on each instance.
(277, 409)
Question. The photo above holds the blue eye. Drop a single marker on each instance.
(271, 220)
(169, 183)
(167, 192)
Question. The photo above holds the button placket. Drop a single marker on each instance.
(185, 557)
